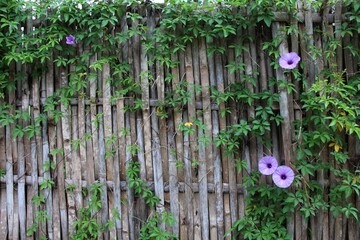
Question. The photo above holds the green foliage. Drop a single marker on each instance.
(331, 106)
(86, 225)
(151, 229)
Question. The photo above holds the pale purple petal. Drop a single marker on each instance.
(267, 165)
(283, 176)
(289, 60)
(70, 40)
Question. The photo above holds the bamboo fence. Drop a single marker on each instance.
(205, 200)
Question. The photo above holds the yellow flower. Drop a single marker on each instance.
(336, 146)
(188, 124)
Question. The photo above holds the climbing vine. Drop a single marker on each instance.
(330, 107)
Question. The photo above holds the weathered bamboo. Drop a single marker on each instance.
(47, 176)
(157, 164)
(60, 165)
(173, 178)
(120, 115)
(76, 162)
(339, 49)
(233, 197)
(92, 165)
(3, 195)
(205, 152)
(186, 224)
(22, 142)
(286, 128)
(82, 128)
(224, 160)
(36, 150)
(135, 137)
(108, 136)
(219, 172)
(309, 31)
(66, 133)
(129, 194)
(10, 160)
(120, 120)
(210, 164)
(104, 212)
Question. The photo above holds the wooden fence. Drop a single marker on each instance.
(197, 183)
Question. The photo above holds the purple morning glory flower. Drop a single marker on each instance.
(267, 165)
(70, 40)
(283, 176)
(289, 60)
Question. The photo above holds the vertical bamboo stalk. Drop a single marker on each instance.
(219, 201)
(309, 31)
(65, 122)
(186, 223)
(173, 178)
(286, 129)
(141, 206)
(22, 142)
(76, 162)
(192, 138)
(250, 149)
(162, 122)
(157, 164)
(146, 114)
(130, 123)
(210, 164)
(10, 161)
(35, 149)
(233, 196)
(47, 176)
(130, 192)
(339, 53)
(93, 167)
(60, 166)
(3, 195)
(218, 170)
(104, 212)
(205, 153)
(121, 157)
(109, 168)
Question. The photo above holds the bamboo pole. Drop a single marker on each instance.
(286, 128)
(108, 135)
(186, 224)
(104, 212)
(120, 115)
(205, 153)
(218, 170)
(3, 196)
(76, 162)
(36, 150)
(233, 197)
(22, 142)
(66, 134)
(59, 159)
(173, 178)
(10, 161)
(157, 164)
(92, 165)
(47, 176)
(129, 194)
(82, 129)
(210, 162)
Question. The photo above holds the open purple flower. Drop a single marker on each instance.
(283, 176)
(289, 60)
(70, 40)
(267, 165)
